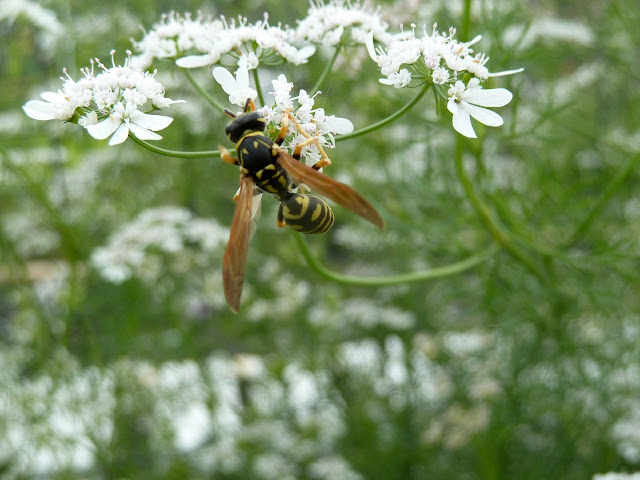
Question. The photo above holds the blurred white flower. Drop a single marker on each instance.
(399, 80)
(617, 476)
(466, 102)
(136, 248)
(327, 23)
(237, 88)
(214, 39)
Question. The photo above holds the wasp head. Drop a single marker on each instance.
(246, 122)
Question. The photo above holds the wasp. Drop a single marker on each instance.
(266, 167)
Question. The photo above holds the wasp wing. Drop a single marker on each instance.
(328, 187)
(235, 255)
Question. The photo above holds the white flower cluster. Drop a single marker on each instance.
(326, 24)
(108, 104)
(137, 249)
(203, 41)
(217, 40)
(304, 121)
(439, 59)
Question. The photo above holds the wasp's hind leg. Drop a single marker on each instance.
(280, 220)
(226, 156)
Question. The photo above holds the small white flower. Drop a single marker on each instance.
(440, 75)
(90, 118)
(398, 80)
(282, 92)
(465, 103)
(121, 122)
(249, 61)
(237, 88)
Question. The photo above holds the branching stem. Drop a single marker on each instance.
(389, 119)
(380, 281)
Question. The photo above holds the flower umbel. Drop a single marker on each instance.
(439, 59)
(305, 122)
(466, 102)
(109, 104)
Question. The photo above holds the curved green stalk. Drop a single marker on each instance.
(176, 153)
(389, 119)
(483, 211)
(326, 71)
(608, 192)
(413, 277)
(202, 91)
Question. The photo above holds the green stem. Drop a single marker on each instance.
(256, 80)
(389, 119)
(412, 277)
(608, 192)
(70, 244)
(176, 153)
(202, 91)
(466, 21)
(326, 71)
(483, 211)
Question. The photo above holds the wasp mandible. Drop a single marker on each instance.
(266, 167)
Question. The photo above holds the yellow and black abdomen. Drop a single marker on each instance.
(306, 213)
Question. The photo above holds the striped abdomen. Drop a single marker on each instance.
(306, 213)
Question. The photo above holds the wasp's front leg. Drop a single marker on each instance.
(284, 130)
(226, 156)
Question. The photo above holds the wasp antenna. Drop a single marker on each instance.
(229, 113)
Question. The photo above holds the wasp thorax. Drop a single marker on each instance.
(245, 123)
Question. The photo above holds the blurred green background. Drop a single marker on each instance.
(527, 366)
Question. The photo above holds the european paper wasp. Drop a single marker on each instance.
(266, 167)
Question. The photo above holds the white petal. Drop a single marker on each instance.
(143, 133)
(225, 79)
(306, 52)
(104, 129)
(40, 110)
(370, 48)
(52, 97)
(195, 61)
(489, 118)
(495, 97)
(339, 125)
(453, 106)
(242, 78)
(461, 120)
(122, 133)
(506, 72)
(151, 122)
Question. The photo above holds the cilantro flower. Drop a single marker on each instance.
(237, 88)
(305, 122)
(466, 102)
(109, 104)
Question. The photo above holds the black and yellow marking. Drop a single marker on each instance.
(306, 213)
